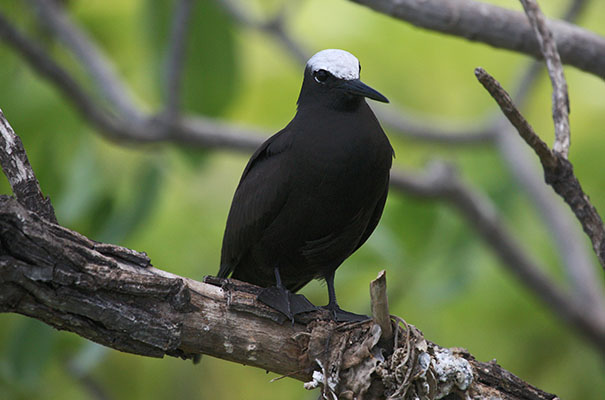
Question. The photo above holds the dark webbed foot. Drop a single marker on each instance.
(341, 315)
(338, 314)
(281, 299)
(286, 302)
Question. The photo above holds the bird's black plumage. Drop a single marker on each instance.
(312, 193)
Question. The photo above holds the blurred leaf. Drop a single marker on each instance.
(90, 355)
(29, 352)
(126, 218)
(210, 75)
(83, 185)
(196, 157)
(403, 215)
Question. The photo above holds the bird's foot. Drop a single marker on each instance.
(286, 302)
(341, 315)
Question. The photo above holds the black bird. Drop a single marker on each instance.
(313, 193)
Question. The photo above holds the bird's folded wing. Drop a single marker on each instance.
(258, 199)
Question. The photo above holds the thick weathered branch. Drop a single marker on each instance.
(113, 296)
(498, 27)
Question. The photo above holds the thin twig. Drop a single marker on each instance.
(403, 123)
(560, 96)
(577, 261)
(274, 26)
(20, 174)
(175, 56)
(558, 171)
(515, 117)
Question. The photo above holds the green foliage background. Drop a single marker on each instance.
(172, 201)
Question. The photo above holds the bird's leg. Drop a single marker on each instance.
(284, 301)
(338, 313)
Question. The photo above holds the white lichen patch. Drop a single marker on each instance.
(251, 349)
(228, 347)
(8, 135)
(451, 371)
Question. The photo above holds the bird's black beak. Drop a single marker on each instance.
(358, 88)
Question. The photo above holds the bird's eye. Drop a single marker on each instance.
(321, 75)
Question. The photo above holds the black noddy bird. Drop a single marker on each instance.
(313, 193)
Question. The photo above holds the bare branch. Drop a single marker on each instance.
(96, 64)
(274, 26)
(516, 118)
(560, 97)
(175, 56)
(112, 295)
(200, 131)
(558, 171)
(498, 27)
(406, 125)
(39, 60)
(570, 242)
(20, 174)
(441, 182)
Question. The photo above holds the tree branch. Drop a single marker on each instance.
(560, 97)
(441, 182)
(558, 171)
(498, 27)
(200, 131)
(20, 174)
(112, 295)
(404, 124)
(100, 69)
(569, 241)
(274, 26)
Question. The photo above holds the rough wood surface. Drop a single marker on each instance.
(16, 167)
(113, 296)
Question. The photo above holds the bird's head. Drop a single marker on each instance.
(332, 78)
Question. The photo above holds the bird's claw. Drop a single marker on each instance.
(286, 302)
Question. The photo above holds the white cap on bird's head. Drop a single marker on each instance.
(335, 72)
(341, 64)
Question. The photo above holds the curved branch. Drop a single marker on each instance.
(498, 27)
(99, 68)
(441, 182)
